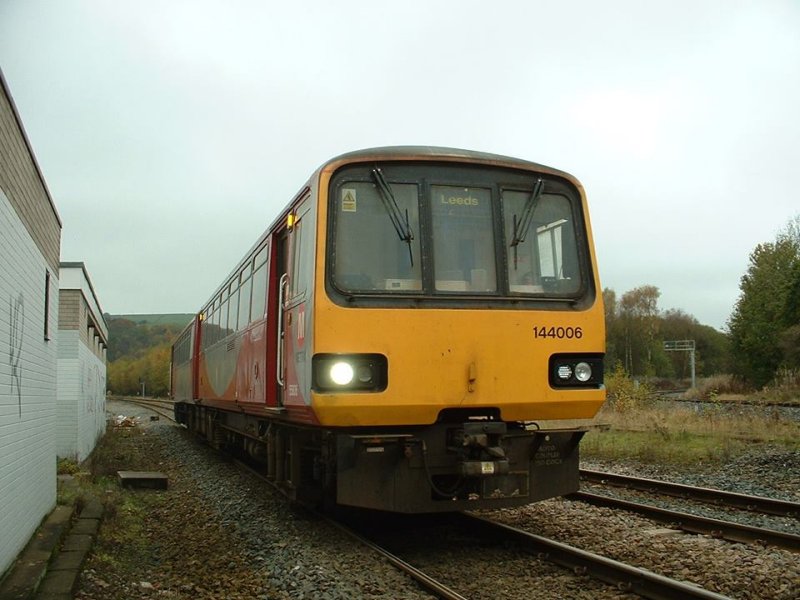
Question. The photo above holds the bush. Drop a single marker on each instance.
(67, 466)
(624, 393)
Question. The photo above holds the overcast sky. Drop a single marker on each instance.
(170, 132)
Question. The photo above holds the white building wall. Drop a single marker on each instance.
(81, 397)
(92, 401)
(27, 386)
(69, 383)
(83, 335)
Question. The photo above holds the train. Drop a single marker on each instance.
(421, 329)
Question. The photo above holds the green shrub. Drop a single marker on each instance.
(624, 393)
(67, 466)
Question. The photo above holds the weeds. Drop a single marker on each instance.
(642, 429)
(67, 466)
(685, 433)
(785, 387)
(626, 394)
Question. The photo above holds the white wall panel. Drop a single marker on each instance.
(91, 401)
(27, 386)
(81, 397)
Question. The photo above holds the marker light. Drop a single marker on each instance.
(583, 372)
(577, 371)
(341, 373)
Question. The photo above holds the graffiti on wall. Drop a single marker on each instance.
(16, 319)
(93, 392)
(93, 389)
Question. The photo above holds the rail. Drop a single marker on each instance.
(771, 506)
(626, 578)
(165, 408)
(427, 582)
(734, 532)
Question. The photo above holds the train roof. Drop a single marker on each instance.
(437, 152)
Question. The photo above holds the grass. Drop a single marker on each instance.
(651, 447)
(124, 541)
(635, 427)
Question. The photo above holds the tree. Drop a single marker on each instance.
(638, 314)
(763, 319)
(613, 355)
(636, 330)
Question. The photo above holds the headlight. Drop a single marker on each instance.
(583, 372)
(341, 373)
(349, 373)
(576, 370)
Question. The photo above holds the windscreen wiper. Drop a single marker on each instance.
(522, 225)
(400, 222)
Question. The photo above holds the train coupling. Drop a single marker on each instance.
(484, 468)
(484, 456)
(483, 438)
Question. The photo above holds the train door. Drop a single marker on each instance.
(195, 375)
(281, 257)
(296, 287)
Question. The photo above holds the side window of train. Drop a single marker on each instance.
(259, 305)
(302, 248)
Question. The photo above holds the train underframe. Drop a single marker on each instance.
(455, 464)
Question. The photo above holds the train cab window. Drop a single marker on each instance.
(463, 239)
(541, 244)
(377, 233)
(454, 235)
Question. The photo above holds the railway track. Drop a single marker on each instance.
(425, 581)
(163, 408)
(621, 576)
(770, 506)
(692, 523)
(624, 577)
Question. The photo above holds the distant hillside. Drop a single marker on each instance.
(177, 319)
(132, 336)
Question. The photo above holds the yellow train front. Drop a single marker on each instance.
(432, 336)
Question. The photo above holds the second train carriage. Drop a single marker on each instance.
(420, 330)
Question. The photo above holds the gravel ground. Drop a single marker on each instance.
(218, 532)
(221, 533)
(735, 570)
